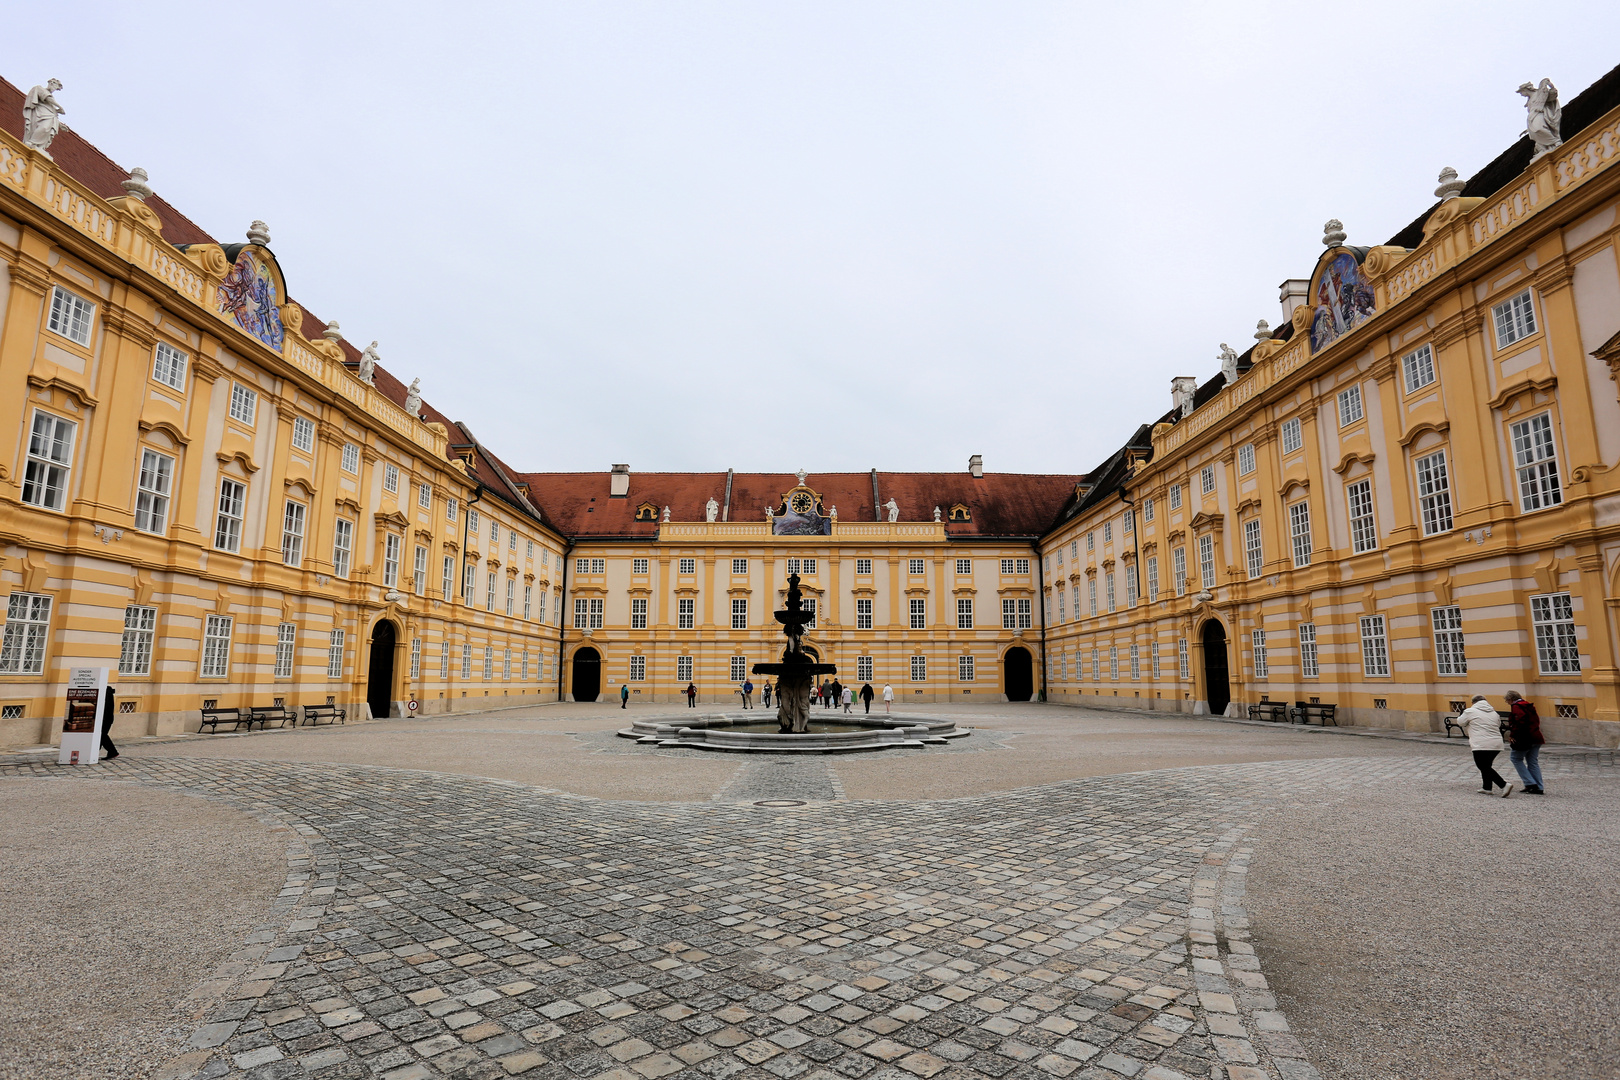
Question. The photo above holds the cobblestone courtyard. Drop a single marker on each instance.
(444, 913)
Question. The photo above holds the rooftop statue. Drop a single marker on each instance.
(894, 510)
(711, 509)
(1183, 391)
(1229, 363)
(770, 514)
(42, 117)
(413, 398)
(368, 363)
(1545, 116)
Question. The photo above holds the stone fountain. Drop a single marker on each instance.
(796, 673)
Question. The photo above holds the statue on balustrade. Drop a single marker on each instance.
(368, 363)
(413, 398)
(42, 117)
(1545, 121)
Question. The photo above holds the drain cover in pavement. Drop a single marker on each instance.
(781, 802)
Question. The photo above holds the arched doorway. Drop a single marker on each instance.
(1217, 689)
(380, 681)
(1018, 674)
(587, 674)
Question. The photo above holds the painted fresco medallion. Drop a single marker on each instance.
(1344, 301)
(800, 515)
(248, 295)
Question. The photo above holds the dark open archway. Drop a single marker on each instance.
(1217, 686)
(380, 679)
(1019, 674)
(587, 674)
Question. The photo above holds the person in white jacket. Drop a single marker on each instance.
(888, 696)
(1484, 728)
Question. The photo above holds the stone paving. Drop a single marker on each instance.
(448, 926)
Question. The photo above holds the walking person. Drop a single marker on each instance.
(108, 711)
(1484, 727)
(1524, 729)
(748, 693)
(765, 694)
(849, 698)
(867, 696)
(691, 695)
(888, 698)
(624, 695)
(815, 692)
(837, 693)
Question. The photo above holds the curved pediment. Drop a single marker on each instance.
(252, 292)
(1340, 299)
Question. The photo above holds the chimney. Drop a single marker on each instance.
(619, 482)
(1292, 294)
(976, 466)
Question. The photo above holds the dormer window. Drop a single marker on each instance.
(960, 512)
(646, 512)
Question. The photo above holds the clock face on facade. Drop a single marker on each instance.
(802, 503)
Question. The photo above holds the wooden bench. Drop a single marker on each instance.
(1274, 711)
(1324, 714)
(266, 714)
(314, 714)
(212, 718)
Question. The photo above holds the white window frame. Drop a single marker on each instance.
(1299, 533)
(1450, 653)
(444, 660)
(1245, 458)
(739, 612)
(1374, 647)
(528, 603)
(1254, 550)
(1175, 496)
(1417, 368)
(140, 632)
(215, 661)
(294, 518)
(1206, 480)
(416, 658)
(1183, 662)
(1132, 589)
(451, 506)
(1535, 463)
(71, 316)
(391, 478)
(1434, 492)
(639, 566)
(1558, 648)
(1021, 566)
(1309, 667)
(489, 661)
(915, 568)
(1113, 663)
(469, 583)
(739, 668)
(303, 434)
(638, 613)
(244, 404)
(739, 567)
(863, 614)
(1178, 568)
(419, 570)
(1153, 578)
(466, 660)
(1009, 614)
(638, 668)
(1514, 319)
(919, 668)
(1153, 659)
(1006, 567)
(863, 567)
(863, 668)
(1091, 594)
(598, 566)
(1108, 532)
(391, 555)
(683, 669)
(350, 461)
(1108, 589)
(687, 566)
(424, 496)
(1147, 510)
(1136, 661)
(919, 613)
(286, 649)
(1026, 614)
(231, 508)
(1257, 647)
(511, 596)
(964, 669)
(964, 613)
(489, 591)
(1351, 408)
(48, 473)
(964, 567)
(169, 366)
(449, 576)
(342, 547)
(154, 485)
(685, 613)
(1363, 522)
(1206, 560)
(1292, 434)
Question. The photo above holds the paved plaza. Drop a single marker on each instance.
(1064, 893)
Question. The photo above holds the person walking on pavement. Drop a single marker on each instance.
(849, 698)
(888, 697)
(1524, 729)
(624, 695)
(691, 695)
(748, 693)
(108, 711)
(867, 696)
(765, 694)
(815, 693)
(837, 693)
(1484, 727)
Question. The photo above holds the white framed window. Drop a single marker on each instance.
(391, 546)
(964, 567)
(494, 534)
(71, 316)
(638, 669)
(1449, 656)
(1253, 547)
(1096, 665)
(1006, 566)
(342, 546)
(1108, 532)
(1246, 459)
(524, 656)
(419, 570)
(1136, 661)
(739, 566)
(1363, 530)
(1514, 319)
(739, 613)
(1153, 659)
(228, 523)
(1009, 614)
(303, 436)
(1536, 461)
(964, 613)
(444, 659)
(1091, 541)
(466, 660)
(863, 668)
(639, 566)
(808, 566)
(450, 507)
(1021, 566)
(489, 661)
(292, 534)
(1434, 492)
(1299, 533)
(582, 566)
(1113, 662)
(511, 596)
(1184, 665)
(1350, 405)
(169, 367)
(863, 567)
(1026, 614)
(1257, 643)
(685, 614)
(1175, 496)
(529, 554)
(1307, 651)
(918, 614)
(286, 648)
(1153, 578)
(511, 541)
(391, 478)
(1374, 647)
(1178, 569)
(638, 613)
(588, 613)
(688, 566)
(448, 581)
(469, 583)
(506, 664)
(1062, 606)
(1206, 560)
(135, 652)
(1206, 480)
(964, 669)
(152, 489)
(244, 403)
(489, 591)
(598, 566)
(528, 601)
(424, 497)
(1147, 510)
(50, 461)
(863, 614)
(351, 458)
(914, 567)
(1108, 589)
(1557, 648)
(739, 668)
(416, 658)
(1131, 588)
(919, 669)
(1417, 367)
(1292, 436)
(1128, 521)
(216, 650)
(810, 610)
(683, 669)
(1091, 592)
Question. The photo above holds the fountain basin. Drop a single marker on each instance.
(747, 732)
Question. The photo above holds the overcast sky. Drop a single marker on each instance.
(823, 235)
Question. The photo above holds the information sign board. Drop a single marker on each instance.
(81, 722)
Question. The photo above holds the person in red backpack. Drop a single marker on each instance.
(1524, 728)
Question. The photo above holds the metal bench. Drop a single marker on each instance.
(212, 718)
(331, 714)
(1274, 711)
(1452, 725)
(266, 714)
(1324, 714)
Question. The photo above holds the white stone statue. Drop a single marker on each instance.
(1183, 389)
(936, 513)
(666, 513)
(1545, 116)
(1450, 187)
(42, 117)
(258, 233)
(770, 515)
(368, 363)
(1262, 331)
(711, 510)
(1333, 233)
(1229, 363)
(833, 512)
(893, 508)
(136, 186)
(413, 398)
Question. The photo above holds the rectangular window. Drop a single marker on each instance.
(1299, 533)
(303, 436)
(1147, 511)
(1514, 318)
(489, 661)
(351, 458)
(444, 659)
(528, 553)
(919, 669)
(1206, 480)
(1091, 541)
(1434, 493)
(169, 368)
(1418, 368)
(1009, 614)
(1183, 667)
(739, 566)
(511, 596)
(511, 540)
(1153, 578)
(1021, 566)
(863, 567)
(216, 651)
(964, 567)
(292, 535)
(342, 546)
(638, 669)
(1129, 524)
(1096, 665)
(391, 546)
(424, 497)
(1130, 586)
(964, 669)
(1246, 459)
(809, 566)
(582, 566)
(1257, 641)
(914, 567)
(918, 616)
(863, 614)
(598, 566)
(1026, 614)
(1557, 649)
(1108, 532)
(1062, 606)
(688, 566)
(1374, 647)
(1449, 658)
(494, 534)
(739, 613)
(506, 664)
(1307, 651)
(683, 669)
(1113, 662)
(638, 613)
(228, 525)
(50, 460)
(1136, 661)
(528, 602)
(1206, 560)
(244, 403)
(450, 507)
(638, 566)
(466, 660)
(469, 585)
(419, 571)
(416, 658)
(1349, 405)
(1175, 496)
(1178, 569)
(286, 645)
(739, 668)
(1292, 436)
(1108, 589)
(152, 492)
(964, 613)
(489, 592)
(863, 668)
(135, 654)
(449, 580)
(1536, 461)
(1253, 547)
(1153, 658)
(71, 316)
(1363, 531)
(685, 613)
(1006, 566)
(391, 478)
(524, 655)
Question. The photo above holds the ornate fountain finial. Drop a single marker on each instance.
(136, 185)
(1333, 233)
(258, 233)
(1450, 187)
